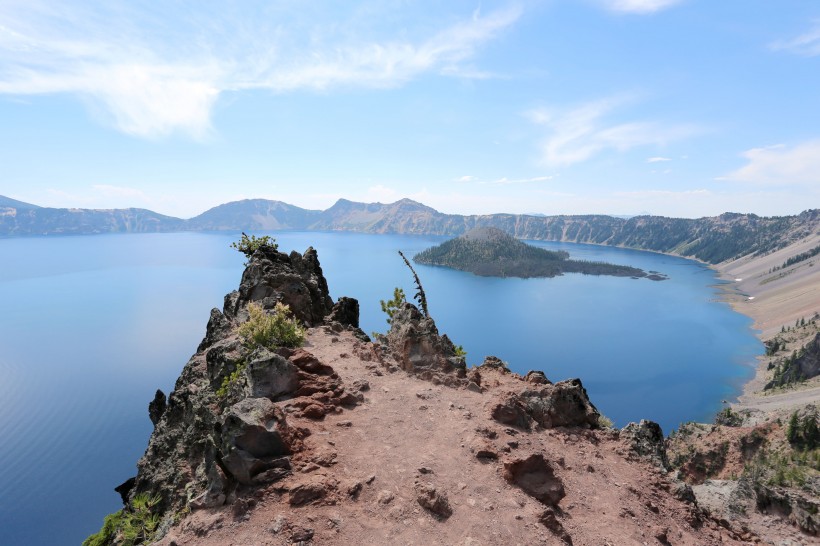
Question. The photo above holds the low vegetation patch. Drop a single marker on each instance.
(271, 330)
(129, 527)
(230, 380)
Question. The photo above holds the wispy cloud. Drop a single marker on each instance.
(639, 6)
(657, 159)
(579, 133)
(807, 44)
(780, 165)
(156, 68)
(118, 191)
(505, 181)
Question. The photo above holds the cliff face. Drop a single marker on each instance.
(345, 441)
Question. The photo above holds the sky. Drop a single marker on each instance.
(682, 108)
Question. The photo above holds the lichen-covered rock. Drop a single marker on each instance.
(646, 440)
(185, 451)
(270, 375)
(223, 358)
(799, 508)
(252, 439)
(418, 348)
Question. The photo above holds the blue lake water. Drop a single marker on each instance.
(91, 326)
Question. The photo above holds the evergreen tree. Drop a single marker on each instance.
(793, 429)
(811, 435)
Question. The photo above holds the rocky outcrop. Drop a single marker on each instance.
(157, 407)
(797, 507)
(254, 441)
(646, 440)
(295, 280)
(220, 428)
(563, 404)
(415, 344)
(801, 366)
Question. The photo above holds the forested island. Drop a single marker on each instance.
(490, 252)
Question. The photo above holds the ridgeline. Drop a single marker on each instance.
(712, 240)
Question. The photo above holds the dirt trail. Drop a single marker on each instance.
(369, 466)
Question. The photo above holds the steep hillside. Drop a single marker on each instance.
(347, 441)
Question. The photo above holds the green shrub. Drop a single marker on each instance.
(728, 418)
(138, 525)
(277, 329)
(247, 245)
(231, 380)
(108, 533)
(605, 422)
(391, 306)
(460, 351)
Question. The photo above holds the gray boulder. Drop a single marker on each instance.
(564, 404)
(646, 440)
(270, 375)
(417, 346)
(253, 440)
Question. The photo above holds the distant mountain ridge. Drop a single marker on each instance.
(711, 239)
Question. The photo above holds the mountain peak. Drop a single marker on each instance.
(15, 204)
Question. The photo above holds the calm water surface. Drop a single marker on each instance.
(92, 326)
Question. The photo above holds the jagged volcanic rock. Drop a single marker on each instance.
(205, 444)
(344, 441)
(418, 348)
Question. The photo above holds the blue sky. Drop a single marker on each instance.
(674, 107)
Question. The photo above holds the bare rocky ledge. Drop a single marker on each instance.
(347, 441)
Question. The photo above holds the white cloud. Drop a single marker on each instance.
(807, 44)
(639, 6)
(657, 159)
(160, 69)
(506, 181)
(580, 133)
(118, 191)
(781, 165)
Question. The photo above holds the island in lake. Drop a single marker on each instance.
(490, 252)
